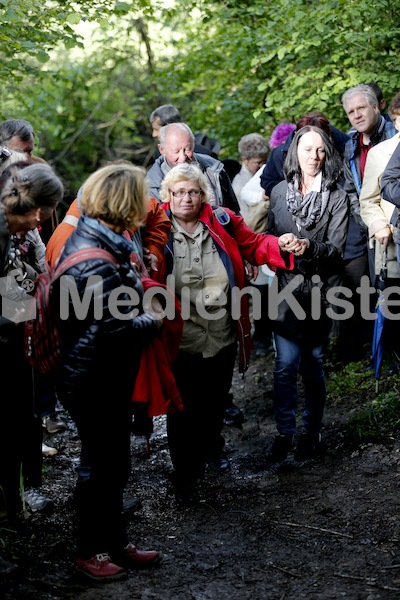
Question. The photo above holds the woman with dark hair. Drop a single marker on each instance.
(309, 204)
(273, 170)
(29, 195)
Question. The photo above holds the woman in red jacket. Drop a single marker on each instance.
(205, 260)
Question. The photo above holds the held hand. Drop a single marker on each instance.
(287, 241)
(153, 262)
(150, 260)
(301, 246)
(251, 272)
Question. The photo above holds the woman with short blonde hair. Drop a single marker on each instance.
(185, 172)
(116, 194)
(205, 255)
(101, 357)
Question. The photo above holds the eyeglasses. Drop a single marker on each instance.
(182, 193)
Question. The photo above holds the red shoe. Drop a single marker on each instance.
(132, 558)
(100, 568)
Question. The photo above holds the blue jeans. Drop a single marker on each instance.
(293, 358)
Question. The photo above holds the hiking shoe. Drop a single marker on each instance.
(219, 464)
(308, 445)
(233, 415)
(36, 501)
(100, 568)
(53, 424)
(48, 450)
(281, 447)
(132, 558)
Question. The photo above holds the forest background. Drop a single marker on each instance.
(87, 74)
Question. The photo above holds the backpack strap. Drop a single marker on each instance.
(223, 218)
(82, 255)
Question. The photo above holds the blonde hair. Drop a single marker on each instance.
(185, 172)
(117, 194)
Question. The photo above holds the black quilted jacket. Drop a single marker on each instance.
(101, 352)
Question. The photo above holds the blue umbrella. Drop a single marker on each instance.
(377, 339)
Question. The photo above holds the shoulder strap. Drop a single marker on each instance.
(356, 178)
(223, 218)
(82, 255)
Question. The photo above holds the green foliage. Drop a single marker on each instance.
(377, 422)
(231, 67)
(246, 68)
(375, 417)
(32, 29)
(344, 381)
(91, 109)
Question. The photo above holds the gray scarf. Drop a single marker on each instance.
(308, 210)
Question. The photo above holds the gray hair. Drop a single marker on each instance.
(363, 89)
(253, 145)
(167, 113)
(30, 187)
(19, 127)
(185, 172)
(164, 131)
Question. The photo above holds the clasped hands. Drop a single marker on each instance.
(288, 242)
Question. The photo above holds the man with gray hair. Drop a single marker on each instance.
(18, 135)
(369, 128)
(177, 146)
(168, 113)
(163, 115)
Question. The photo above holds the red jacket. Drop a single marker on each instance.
(154, 233)
(235, 241)
(155, 384)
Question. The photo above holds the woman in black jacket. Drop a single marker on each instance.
(103, 338)
(309, 204)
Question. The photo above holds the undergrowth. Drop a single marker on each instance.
(376, 415)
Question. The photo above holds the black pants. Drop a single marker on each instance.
(20, 426)
(262, 327)
(355, 332)
(103, 420)
(194, 434)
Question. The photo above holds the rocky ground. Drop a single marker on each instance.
(323, 530)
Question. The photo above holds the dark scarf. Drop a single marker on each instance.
(308, 210)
